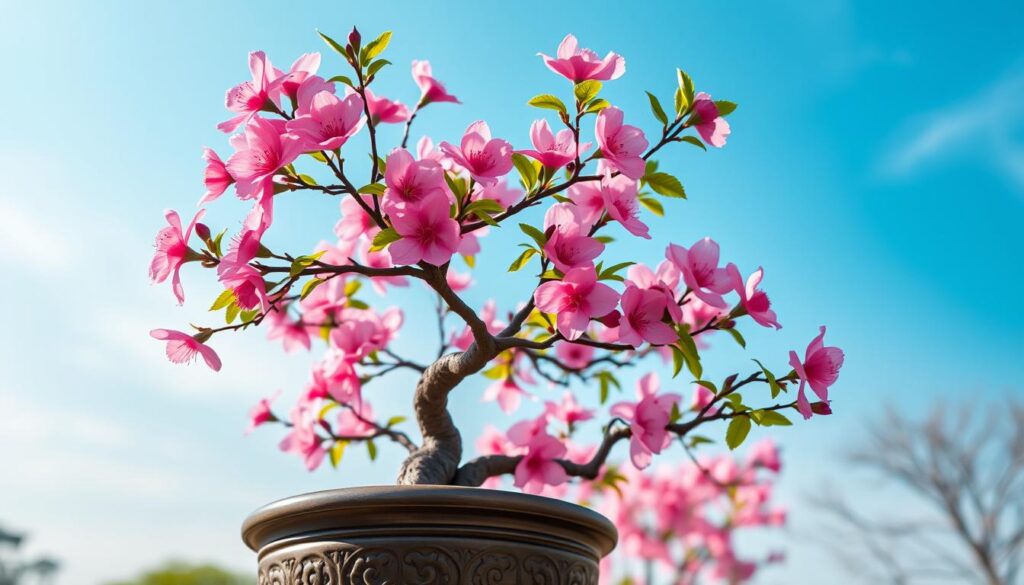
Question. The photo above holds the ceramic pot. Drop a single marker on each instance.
(427, 535)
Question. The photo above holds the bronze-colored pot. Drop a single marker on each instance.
(427, 535)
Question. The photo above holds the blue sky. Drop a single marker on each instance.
(876, 171)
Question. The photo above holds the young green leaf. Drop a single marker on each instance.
(586, 90)
(383, 238)
(310, 285)
(652, 205)
(694, 141)
(534, 233)
(772, 382)
(597, 105)
(527, 171)
(739, 428)
(665, 184)
(657, 110)
(521, 261)
(371, 448)
(223, 299)
(725, 107)
(337, 451)
(548, 102)
(332, 44)
(377, 45)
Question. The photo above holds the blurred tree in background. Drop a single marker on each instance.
(177, 573)
(16, 570)
(965, 469)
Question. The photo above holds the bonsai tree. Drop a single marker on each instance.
(407, 217)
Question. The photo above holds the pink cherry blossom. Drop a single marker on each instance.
(551, 150)
(620, 201)
(383, 110)
(765, 454)
(237, 275)
(699, 267)
(574, 355)
(485, 158)
(172, 251)
(569, 248)
(303, 68)
(302, 439)
(354, 222)
(330, 121)
(261, 414)
(265, 148)
(702, 396)
(712, 127)
(309, 89)
(409, 181)
(428, 233)
(575, 299)
(568, 411)
(507, 392)
(216, 177)
(458, 281)
(642, 314)
(647, 420)
(501, 192)
(621, 144)
(665, 279)
(380, 259)
(819, 370)
(352, 423)
(576, 64)
(431, 90)
(754, 301)
(249, 97)
(293, 334)
(538, 467)
(182, 348)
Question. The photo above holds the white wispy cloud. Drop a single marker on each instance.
(984, 127)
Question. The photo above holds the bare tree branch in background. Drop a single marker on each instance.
(965, 469)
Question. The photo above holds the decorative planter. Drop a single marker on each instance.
(427, 535)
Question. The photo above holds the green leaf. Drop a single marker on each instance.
(303, 262)
(376, 66)
(608, 273)
(694, 141)
(248, 316)
(327, 408)
(652, 205)
(689, 349)
(773, 384)
(597, 105)
(342, 79)
(586, 90)
(486, 218)
(676, 413)
(317, 155)
(657, 110)
(522, 260)
(373, 189)
(223, 299)
(665, 184)
(686, 88)
(725, 107)
(548, 102)
(352, 287)
(371, 448)
(377, 46)
(534, 233)
(337, 450)
(383, 238)
(488, 205)
(680, 102)
(356, 304)
(739, 428)
(333, 44)
(527, 171)
(738, 337)
(770, 418)
(395, 420)
(699, 440)
(678, 359)
(310, 285)
(231, 312)
(458, 186)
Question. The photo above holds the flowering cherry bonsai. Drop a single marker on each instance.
(587, 314)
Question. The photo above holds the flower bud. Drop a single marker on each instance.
(203, 231)
(611, 319)
(354, 38)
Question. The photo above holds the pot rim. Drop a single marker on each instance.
(324, 510)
